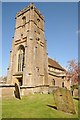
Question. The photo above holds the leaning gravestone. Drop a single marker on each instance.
(63, 100)
(17, 91)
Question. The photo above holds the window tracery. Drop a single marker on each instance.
(21, 57)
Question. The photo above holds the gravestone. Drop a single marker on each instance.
(64, 100)
(75, 93)
(17, 91)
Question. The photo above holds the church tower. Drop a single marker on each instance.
(28, 59)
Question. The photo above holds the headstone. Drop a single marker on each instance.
(75, 93)
(17, 91)
(64, 100)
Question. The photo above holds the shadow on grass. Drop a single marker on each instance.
(76, 98)
(54, 107)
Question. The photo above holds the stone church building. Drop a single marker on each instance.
(29, 64)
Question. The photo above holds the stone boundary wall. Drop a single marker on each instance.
(8, 91)
(43, 89)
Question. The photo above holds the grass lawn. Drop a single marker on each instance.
(34, 106)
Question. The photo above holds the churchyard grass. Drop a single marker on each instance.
(34, 106)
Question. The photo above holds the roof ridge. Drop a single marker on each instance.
(55, 64)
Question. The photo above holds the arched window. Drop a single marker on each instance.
(21, 53)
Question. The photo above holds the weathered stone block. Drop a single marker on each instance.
(63, 100)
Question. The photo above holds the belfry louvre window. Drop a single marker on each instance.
(21, 59)
(24, 20)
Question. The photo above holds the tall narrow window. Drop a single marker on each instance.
(20, 59)
(35, 50)
(53, 82)
(62, 84)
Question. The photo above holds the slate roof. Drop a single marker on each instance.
(55, 64)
